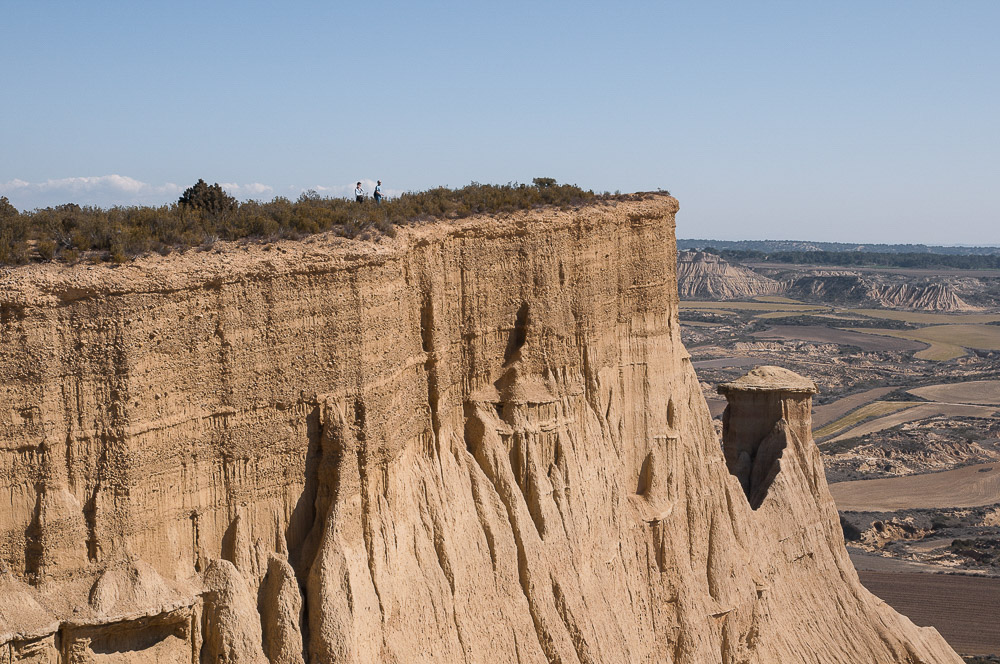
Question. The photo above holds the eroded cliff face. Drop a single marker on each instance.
(879, 290)
(477, 442)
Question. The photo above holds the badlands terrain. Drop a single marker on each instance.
(478, 440)
(907, 418)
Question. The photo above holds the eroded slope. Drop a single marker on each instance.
(476, 442)
(702, 275)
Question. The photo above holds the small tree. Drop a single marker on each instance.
(310, 196)
(13, 233)
(544, 183)
(6, 209)
(212, 199)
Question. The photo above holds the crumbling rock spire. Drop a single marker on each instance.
(766, 407)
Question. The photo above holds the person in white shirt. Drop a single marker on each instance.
(359, 193)
(378, 193)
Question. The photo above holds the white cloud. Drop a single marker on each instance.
(108, 190)
(245, 191)
(103, 190)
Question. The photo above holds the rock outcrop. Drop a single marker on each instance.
(878, 290)
(769, 412)
(281, 613)
(478, 441)
(707, 276)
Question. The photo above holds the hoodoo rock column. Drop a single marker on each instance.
(765, 407)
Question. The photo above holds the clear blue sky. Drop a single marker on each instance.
(855, 121)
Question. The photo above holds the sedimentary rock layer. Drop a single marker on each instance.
(879, 290)
(702, 275)
(479, 441)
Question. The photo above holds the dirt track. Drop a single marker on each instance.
(970, 486)
(965, 609)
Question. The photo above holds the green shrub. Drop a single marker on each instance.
(6, 209)
(211, 199)
(206, 212)
(46, 249)
(13, 234)
(71, 256)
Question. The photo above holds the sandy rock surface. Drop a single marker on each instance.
(479, 441)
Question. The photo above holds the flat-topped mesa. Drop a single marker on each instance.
(478, 441)
(763, 405)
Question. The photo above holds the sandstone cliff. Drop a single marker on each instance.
(476, 442)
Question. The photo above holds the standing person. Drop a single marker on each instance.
(378, 193)
(359, 193)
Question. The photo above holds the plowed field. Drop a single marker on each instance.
(965, 609)
(827, 413)
(974, 391)
(918, 412)
(970, 486)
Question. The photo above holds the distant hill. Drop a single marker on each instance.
(881, 291)
(853, 258)
(771, 246)
(701, 275)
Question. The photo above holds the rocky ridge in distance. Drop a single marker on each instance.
(707, 276)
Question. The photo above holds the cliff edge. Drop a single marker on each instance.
(479, 441)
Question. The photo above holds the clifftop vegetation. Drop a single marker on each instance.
(206, 213)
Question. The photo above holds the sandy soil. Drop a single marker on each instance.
(932, 544)
(964, 609)
(970, 486)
